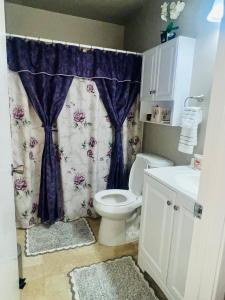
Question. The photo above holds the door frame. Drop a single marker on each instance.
(9, 278)
(208, 235)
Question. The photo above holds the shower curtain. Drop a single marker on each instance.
(83, 137)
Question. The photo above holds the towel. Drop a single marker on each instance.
(190, 119)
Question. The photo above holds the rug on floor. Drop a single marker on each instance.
(59, 236)
(116, 279)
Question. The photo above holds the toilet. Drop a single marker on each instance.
(120, 209)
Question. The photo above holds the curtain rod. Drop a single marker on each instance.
(71, 44)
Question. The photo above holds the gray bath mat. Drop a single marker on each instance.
(118, 279)
(59, 236)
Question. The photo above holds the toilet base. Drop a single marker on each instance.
(112, 232)
(119, 232)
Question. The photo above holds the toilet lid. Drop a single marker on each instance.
(144, 161)
(115, 197)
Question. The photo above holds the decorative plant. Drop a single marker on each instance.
(171, 12)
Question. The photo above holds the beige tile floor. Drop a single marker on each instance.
(47, 274)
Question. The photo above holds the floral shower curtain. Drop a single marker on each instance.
(83, 139)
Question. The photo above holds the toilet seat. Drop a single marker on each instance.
(116, 203)
(115, 197)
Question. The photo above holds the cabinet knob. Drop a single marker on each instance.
(152, 92)
(169, 202)
(176, 207)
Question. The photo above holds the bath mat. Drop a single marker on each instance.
(59, 236)
(117, 279)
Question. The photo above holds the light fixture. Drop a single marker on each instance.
(217, 11)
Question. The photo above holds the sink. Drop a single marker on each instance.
(188, 182)
(182, 179)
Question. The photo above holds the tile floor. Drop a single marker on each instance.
(47, 274)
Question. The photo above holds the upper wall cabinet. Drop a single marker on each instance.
(166, 78)
(148, 84)
(165, 71)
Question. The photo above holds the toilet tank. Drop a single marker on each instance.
(144, 161)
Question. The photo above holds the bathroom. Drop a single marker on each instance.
(133, 215)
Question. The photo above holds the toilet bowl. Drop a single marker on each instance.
(120, 209)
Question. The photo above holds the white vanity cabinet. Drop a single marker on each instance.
(166, 77)
(180, 250)
(165, 237)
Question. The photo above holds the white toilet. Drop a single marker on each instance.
(120, 209)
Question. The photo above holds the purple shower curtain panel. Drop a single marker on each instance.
(47, 94)
(117, 97)
(46, 71)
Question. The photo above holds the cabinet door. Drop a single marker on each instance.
(149, 74)
(156, 227)
(166, 66)
(180, 251)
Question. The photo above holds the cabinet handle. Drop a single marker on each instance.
(152, 92)
(176, 207)
(169, 202)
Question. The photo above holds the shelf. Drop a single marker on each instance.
(150, 122)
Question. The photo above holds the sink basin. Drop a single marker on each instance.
(182, 179)
(188, 182)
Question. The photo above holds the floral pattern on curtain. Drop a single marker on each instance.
(27, 145)
(83, 141)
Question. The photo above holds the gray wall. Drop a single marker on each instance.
(30, 21)
(143, 32)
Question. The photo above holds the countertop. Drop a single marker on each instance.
(181, 179)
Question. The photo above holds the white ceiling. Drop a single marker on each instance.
(113, 11)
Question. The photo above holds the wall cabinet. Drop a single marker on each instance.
(148, 75)
(165, 238)
(166, 62)
(166, 77)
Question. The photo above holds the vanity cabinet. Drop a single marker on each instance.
(180, 251)
(165, 237)
(166, 77)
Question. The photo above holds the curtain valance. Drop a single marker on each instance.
(59, 59)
